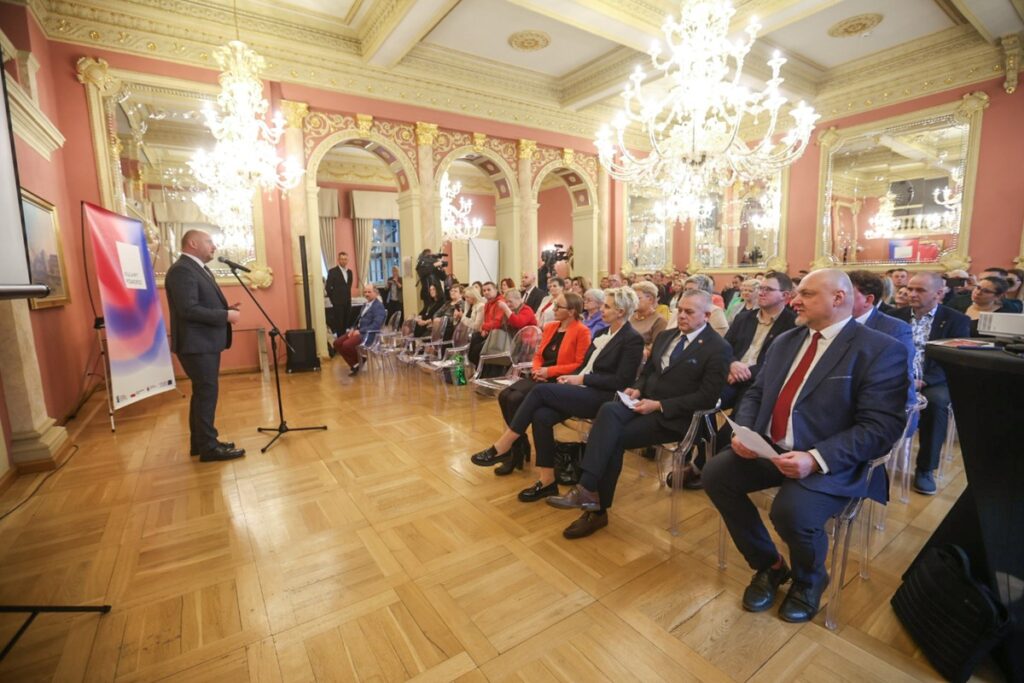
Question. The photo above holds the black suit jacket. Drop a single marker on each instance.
(198, 309)
(947, 324)
(885, 308)
(339, 291)
(534, 298)
(616, 367)
(744, 325)
(693, 382)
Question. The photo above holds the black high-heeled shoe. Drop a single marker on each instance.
(489, 456)
(513, 463)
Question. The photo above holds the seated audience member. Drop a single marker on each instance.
(868, 290)
(452, 309)
(431, 305)
(987, 297)
(901, 298)
(493, 318)
(718, 321)
(517, 314)
(605, 283)
(609, 365)
(685, 372)
(888, 292)
(614, 281)
(580, 285)
(745, 300)
(366, 327)
(593, 302)
(830, 396)
(506, 284)
(959, 285)
(546, 312)
(473, 314)
(562, 349)
(930, 320)
(965, 296)
(1014, 278)
(731, 291)
(532, 294)
(899, 277)
(645, 319)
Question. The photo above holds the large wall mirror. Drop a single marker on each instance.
(145, 129)
(900, 191)
(742, 228)
(648, 240)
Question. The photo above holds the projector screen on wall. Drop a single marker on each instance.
(15, 281)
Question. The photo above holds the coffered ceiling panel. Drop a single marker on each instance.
(489, 28)
(848, 30)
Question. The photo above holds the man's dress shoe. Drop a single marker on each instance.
(760, 594)
(225, 444)
(221, 453)
(588, 523)
(802, 602)
(577, 498)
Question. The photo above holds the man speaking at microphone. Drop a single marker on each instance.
(201, 323)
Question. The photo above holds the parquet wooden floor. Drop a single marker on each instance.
(376, 551)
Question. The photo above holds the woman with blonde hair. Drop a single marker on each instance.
(645, 319)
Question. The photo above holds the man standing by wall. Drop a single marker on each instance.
(201, 323)
(339, 291)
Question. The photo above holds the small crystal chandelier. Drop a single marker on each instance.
(694, 127)
(884, 224)
(456, 223)
(952, 195)
(244, 157)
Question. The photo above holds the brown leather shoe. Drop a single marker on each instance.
(588, 523)
(578, 498)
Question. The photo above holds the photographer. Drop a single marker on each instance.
(549, 259)
(430, 268)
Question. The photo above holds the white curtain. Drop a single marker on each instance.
(327, 209)
(380, 205)
(364, 240)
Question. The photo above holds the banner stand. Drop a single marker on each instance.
(106, 373)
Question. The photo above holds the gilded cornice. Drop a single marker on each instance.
(294, 113)
(1010, 46)
(380, 21)
(608, 72)
(426, 133)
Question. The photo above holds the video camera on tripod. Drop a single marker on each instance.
(553, 255)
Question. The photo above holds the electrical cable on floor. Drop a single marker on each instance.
(52, 472)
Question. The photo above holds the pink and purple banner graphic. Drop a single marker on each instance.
(140, 358)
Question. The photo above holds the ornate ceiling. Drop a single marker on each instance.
(555, 65)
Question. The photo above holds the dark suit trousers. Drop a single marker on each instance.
(509, 400)
(617, 428)
(798, 514)
(933, 424)
(203, 369)
(549, 404)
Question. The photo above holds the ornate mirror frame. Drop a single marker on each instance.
(776, 261)
(104, 87)
(627, 267)
(968, 110)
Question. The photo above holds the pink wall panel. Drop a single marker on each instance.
(554, 218)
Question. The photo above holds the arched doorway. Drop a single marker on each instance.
(488, 180)
(380, 155)
(570, 214)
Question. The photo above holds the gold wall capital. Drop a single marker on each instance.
(294, 113)
(364, 122)
(972, 103)
(426, 133)
(828, 137)
(568, 156)
(96, 72)
(479, 139)
(527, 148)
(1010, 45)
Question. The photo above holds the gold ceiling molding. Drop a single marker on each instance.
(529, 41)
(383, 17)
(351, 173)
(855, 27)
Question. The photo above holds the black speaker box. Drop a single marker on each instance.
(301, 350)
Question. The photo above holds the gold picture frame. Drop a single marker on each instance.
(45, 250)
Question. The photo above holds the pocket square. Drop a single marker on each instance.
(691, 361)
(840, 377)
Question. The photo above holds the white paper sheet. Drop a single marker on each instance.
(752, 440)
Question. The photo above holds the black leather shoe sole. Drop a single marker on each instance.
(225, 444)
(538, 492)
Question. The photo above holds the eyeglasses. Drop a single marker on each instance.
(769, 289)
(979, 288)
(558, 306)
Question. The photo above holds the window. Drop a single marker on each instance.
(384, 252)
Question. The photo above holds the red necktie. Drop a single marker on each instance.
(784, 403)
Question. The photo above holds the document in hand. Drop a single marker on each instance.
(752, 440)
(630, 402)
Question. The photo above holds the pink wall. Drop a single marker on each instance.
(554, 218)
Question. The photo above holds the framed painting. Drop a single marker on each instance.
(45, 255)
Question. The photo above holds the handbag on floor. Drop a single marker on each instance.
(568, 456)
(953, 618)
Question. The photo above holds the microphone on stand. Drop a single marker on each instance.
(232, 265)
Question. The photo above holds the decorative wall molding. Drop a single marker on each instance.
(30, 123)
(1010, 46)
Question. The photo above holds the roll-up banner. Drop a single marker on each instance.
(140, 357)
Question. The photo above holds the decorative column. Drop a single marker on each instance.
(604, 217)
(303, 221)
(36, 439)
(94, 74)
(426, 133)
(528, 254)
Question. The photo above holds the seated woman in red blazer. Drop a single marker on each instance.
(562, 348)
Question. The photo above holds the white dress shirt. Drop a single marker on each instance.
(599, 344)
(827, 335)
(667, 356)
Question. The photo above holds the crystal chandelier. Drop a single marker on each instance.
(951, 196)
(244, 157)
(456, 223)
(884, 224)
(693, 116)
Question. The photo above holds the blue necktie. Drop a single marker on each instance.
(677, 352)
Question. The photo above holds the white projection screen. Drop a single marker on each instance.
(14, 274)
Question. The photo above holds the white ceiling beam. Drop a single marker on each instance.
(387, 37)
(992, 19)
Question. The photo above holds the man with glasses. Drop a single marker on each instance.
(930, 320)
